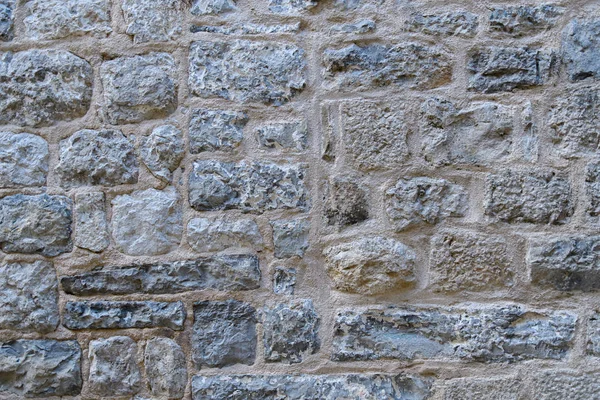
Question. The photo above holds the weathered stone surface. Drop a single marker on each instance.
(147, 222)
(345, 202)
(244, 71)
(224, 272)
(592, 188)
(362, 26)
(291, 7)
(216, 234)
(123, 314)
(36, 224)
(581, 49)
(7, 19)
(565, 384)
(152, 20)
(284, 280)
(540, 196)
(291, 331)
(162, 151)
(286, 135)
(165, 368)
(416, 201)
(40, 87)
(371, 66)
(247, 29)
(593, 334)
(40, 368)
(113, 368)
(492, 334)
(290, 237)
(28, 297)
(92, 157)
(208, 7)
(453, 23)
(211, 130)
(224, 333)
(91, 229)
(370, 265)
(57, 19)
(499, 69)
(252, 187)
(483, 389)
(138, 88)
(23, 160)
(524, 19)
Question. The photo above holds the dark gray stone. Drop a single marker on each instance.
(162, 151)
(114, 371)
(524, 20)
(211, 130)
(453, 23)
(23, 160)
(284, 280)
(592, 189)
(7, 19)
(581, 49)
(247, 29)
(593, 334)
(345, 202)
(292, 136)
(290, 237)
(165, 368)
(91, 229)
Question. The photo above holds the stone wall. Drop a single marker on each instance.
(292, 199)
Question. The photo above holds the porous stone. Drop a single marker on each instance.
(291, 331)
(123, 314)
(92, 157)
(581, 49)
(212, 130)
(362, 26)
(370, 265)
(592, 188)
(152, 20)
(28, 297)
(23, 160)
(453, 23)
(40, 87)
(416, 201)
(40, 368)
(285, 135)
(525, 19)
(165, 368)
(91, 229)
(508, 388)
(532, 196)
(565, 384)
(114, 371)
(216, 234)
(244, 71)
(57, 19)
(162, 151)
(212, 7)
(7, 19)
(147, 222)
(291, 7)
(36, 224)
(224, 333)
(247, 29)
(138, 88)
(593, 334)
(345, 202)
(290, 237)
(284, 280)
(477, 333)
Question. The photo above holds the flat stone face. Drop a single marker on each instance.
(57, 19)
(565, 384)
(370, 265)
(113, 368)
(216, 234)
(7, 19)
(23, 160)
(362, 26)
(592, 189)
(291, 7)
(91, 229)
(581, 49)
(284, 280)
(292, 136)
(40, 87)
(453, 23)
(492, 334)
(41, 368)
(139, 88)
(123, 315)
(247, 28)
(540, 197)
(244, 71)
(90, 158)
(524, 20)
(224, 333)
(165, 368)
(211, 130)
(152, 20)
(28, 297)
(345, 202)
(483, 389)
(593, 334)
(36, 224)
(162, 151)
(212, 7)
(290, 237)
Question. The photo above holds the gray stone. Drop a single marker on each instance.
(453, 23)
(36, 224)
(212, 130)
(216, 234)
(290, 237)
(345, 202)
(284, 280)
(40, 87)
(478, 333)
(593, 334)
(211, 7)
(224, 333)
(165, 368)
(416, 201)
(291, 7)
(565, 384)
(23, 160)
(92, 157)
(245, 71)
(361, 5)
(540, 197)
(592, 188)
(286, 135)
(524, 19)
(7, 19)
(247, 29)
(224, 272)
(152, 20)
(291, 331)
(114, 371)
(138, 88)
(123, 315)
(500, 69)
(581, 49)
(162, 151)
(147, 222)
(28, 297)
(484, 389)
(362, 26)
(91, 229)
(57, 19)
(371, 265)
(40, 368)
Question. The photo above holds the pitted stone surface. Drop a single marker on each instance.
(152, 20)
(484, 389)
(291, 7)
(284, 281)
(91, 229)
(113, 368)
(162, 151)
(581, 48)
(7, 19)
(212, 7)
(247, 29)
(592, 188)
(593, 334)
(345, 201)
(453, 23)
(565, 384)
(524, 20)
(165, 368)
(212, 130)
(23, 160)
(358, 27)
(290, 237)
(292, 136)
(218, 234)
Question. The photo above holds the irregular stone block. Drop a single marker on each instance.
(147, 222)
(291, 7)
(41, 368)
(224, 333)
(237, 70)
(218, 234)
(92, 157)
(581, 49)
(524, 20)
(91, 229)
(416, 201)
(40, 87)
(592, 188)
(345, 202)
(114, 371)
(362, 26)
(284, 280)
(211, 7)
(28, 297)
(36, 224)
(212, 130)
(484, 389)
(565, 384)
(483, 334)
(7, 19)
(593, 334)
(286, 135)
(247, 29)
(540, 197)
(23, 160)
(165, 368)
(123, 315)
(453, 23)
(370, 265)
(138, 88)
(290, 237)
(152, 20)
(162, 151)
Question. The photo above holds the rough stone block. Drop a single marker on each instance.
(91, 229)
(291, 7)
(284, 280)
(212, 7)
(162, 151)
(7, 19)
(165, 368)
(593, 334)
(23, 160)
(212, 130)
(592, 188)
(152, 20)
(452, 23)
(345, 202)
(565, 384)
(216, 234)
(484, 389)
(524, 20)
(247, 28)
(581, 49)
(290, 237)
(292, 136)
(114, 371)
(358, 27)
